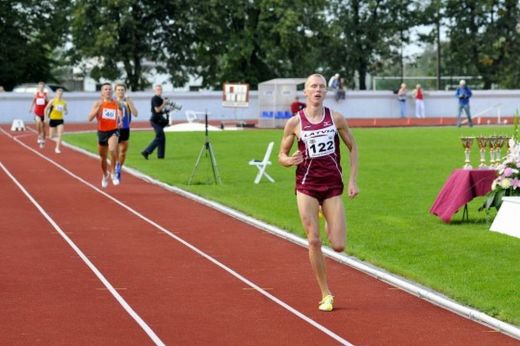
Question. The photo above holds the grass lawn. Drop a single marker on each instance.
(389, 225)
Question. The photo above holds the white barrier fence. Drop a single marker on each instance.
(358, 104)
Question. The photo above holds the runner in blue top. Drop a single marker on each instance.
(129, 110)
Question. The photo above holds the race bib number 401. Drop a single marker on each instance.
(321, 146)
(108, 113)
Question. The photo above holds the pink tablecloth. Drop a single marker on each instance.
(461, 187)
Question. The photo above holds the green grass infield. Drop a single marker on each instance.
(401, 171)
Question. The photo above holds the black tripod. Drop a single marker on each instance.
(207, 149)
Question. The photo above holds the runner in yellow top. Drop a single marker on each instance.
(56, 109)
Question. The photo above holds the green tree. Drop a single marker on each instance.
(30, 30)
(108, 32)
(121, 36)
(368, 34)
(483, 38)
(253, 41)
(174, 38)
(509, 44)
(433, 15)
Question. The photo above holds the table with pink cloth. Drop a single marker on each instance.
(461, 187)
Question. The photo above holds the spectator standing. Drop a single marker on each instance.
(334, 82)
(340, 92)
(401, 97)
(463, 93)
(297, 106)
(158, 122)
(419, 102)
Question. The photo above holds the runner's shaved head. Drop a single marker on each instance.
(312, 76)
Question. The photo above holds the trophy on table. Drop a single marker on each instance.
(502, 140)
(510, 144)
(467, 142)
(482, 142)
(492, 144)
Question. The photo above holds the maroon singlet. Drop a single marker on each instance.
(319, 144)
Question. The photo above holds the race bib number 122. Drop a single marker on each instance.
(320, 146)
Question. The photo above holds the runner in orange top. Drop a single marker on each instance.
(108, 115)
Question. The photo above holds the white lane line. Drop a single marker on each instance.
(92, 267)
(406, 285)
(196, 250)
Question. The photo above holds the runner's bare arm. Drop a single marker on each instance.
(32, 104)
(289, 134)
(119, 115)
(131, 105)
(350, 142)
(47, 108)
(93, 112)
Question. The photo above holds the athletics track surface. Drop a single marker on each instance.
(161, 290)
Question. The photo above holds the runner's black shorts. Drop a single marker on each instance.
(124, 135)
(55, 122)
(104, 136)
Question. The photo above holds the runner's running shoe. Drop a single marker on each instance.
(115, 180)
(327, 303)
(118, 171)
(104, 181)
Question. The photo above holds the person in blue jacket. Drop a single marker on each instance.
(463, 93)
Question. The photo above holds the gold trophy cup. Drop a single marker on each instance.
(482, 142)
(467, 142)
(502, 140)
(492, 144)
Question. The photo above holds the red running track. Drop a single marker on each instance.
(182, 297)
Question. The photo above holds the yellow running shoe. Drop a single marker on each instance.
(327, 303)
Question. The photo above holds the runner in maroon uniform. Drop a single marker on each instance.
(319, 179)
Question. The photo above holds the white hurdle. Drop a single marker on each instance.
(18, 125)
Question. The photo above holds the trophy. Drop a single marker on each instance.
(501, 140)
(491, 144)
(510, 144)
(467, 142)
(482, 144)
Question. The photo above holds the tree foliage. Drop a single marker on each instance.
(368, 33)
(29, 32)
(111, 33)
(483, 39)
(256, 40)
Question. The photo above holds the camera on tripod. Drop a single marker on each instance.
(169, 106)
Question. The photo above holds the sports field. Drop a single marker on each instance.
(144, 263)
(401, 172)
